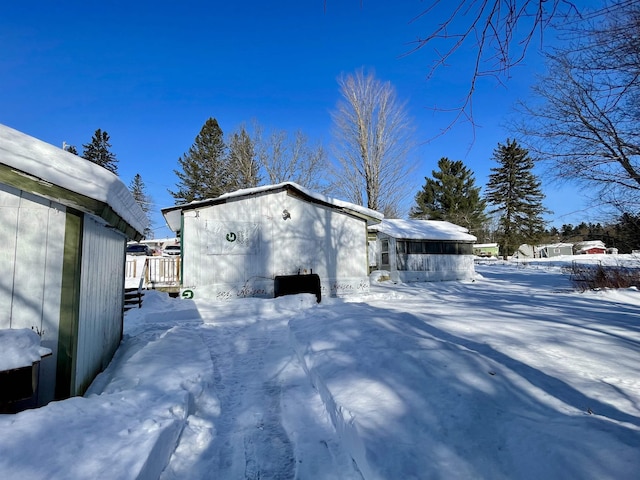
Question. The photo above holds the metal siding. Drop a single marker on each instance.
(29, 271)
(312, 238)
(101, 301)
(9, 207)
(50, 321)
(32, 237)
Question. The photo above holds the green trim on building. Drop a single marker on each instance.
(69, 306)
(30, 183)
(181, 248)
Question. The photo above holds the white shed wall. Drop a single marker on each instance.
(236, 249)
(32, 240)
(101, 300)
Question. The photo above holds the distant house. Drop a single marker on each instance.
(525, 251)
(65, 223)
(590, 247)
(243, 243)
(555, 250)
(486, 249)
(423, 250)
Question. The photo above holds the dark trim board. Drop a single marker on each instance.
(69, 306)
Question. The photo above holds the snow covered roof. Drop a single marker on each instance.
(590, 244)
(423, 230)
(556, 245)
(66, 178)
(172, 214)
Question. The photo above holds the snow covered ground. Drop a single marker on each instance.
(511, 376)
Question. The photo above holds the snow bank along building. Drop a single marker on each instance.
(265, 241)
(422, 250)
(64, 225)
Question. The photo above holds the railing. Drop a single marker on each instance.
(163, 271)
(131, 269)
(134, 292)
(151, 272)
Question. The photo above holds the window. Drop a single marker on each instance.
(416, 247)
(419, 247)
(384, 250)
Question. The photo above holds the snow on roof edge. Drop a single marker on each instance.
(59, 167)
(244, 192)
(423, 230)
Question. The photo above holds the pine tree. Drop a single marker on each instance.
(242, 162)
(627, 232)
(138, 190)
(451, 195)
(516, 194)
(204, 167)
(98, 151)
(69, 148)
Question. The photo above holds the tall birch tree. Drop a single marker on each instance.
(372, 141)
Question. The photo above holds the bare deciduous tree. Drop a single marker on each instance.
(587, 122)
(243, 161)
(500, 33)
(286, 159)
(373, 137)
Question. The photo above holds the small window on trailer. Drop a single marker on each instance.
(384, 251)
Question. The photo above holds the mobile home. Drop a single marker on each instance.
(423, 250)
(241, 243)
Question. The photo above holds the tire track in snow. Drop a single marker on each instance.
(260, 417)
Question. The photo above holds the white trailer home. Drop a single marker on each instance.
(64, 225)
(423, 250)
(243, 243)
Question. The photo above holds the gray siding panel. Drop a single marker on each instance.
(32, 237)
(101, 300)
(9, 207)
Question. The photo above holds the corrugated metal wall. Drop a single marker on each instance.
(101, 301)
(31, 245)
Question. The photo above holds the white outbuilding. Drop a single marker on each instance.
(423, 250)
(251, 242)
(65, 223)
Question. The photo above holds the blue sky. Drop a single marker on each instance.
(151, 73)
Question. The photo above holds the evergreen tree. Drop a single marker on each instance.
(69, 148)
(98, 151)
(627, 232)
(243, 162)
(451, 195)
(138, 190)
(515, 193)
(204, 171)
